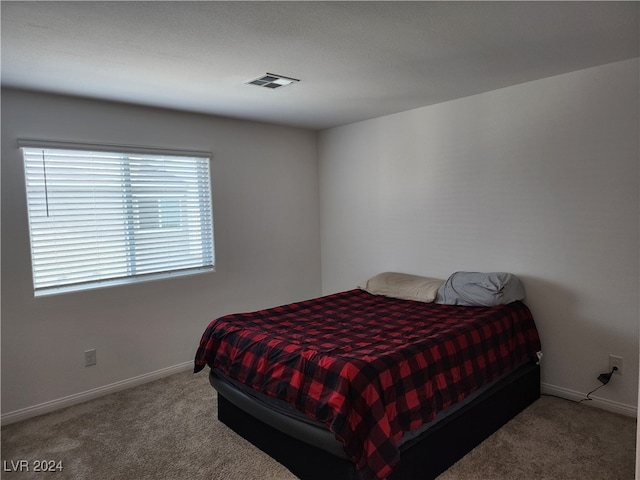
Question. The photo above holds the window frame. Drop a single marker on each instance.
(129, 277)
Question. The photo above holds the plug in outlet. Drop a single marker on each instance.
(90, 357)
(615, 361)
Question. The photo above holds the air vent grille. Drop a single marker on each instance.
(272, 81)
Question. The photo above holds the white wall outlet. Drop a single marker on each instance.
(90, 357)
(615, 361)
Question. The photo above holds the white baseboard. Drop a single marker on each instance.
(28, 412)
(603, 403)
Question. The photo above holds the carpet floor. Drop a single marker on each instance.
(168, 430)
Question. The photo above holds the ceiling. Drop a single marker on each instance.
(355, 60)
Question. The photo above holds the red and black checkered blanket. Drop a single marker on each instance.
(370, 367)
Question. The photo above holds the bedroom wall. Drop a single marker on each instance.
(265, 195)
(538, 179)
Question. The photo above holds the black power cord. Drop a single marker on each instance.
(604, 379)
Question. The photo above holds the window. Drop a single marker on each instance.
(100, 217)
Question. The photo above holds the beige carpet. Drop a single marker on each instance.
(167, 429)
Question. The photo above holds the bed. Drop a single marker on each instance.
(371, 384)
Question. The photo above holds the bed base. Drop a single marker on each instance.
(425, 457)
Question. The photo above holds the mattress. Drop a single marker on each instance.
(370, 368)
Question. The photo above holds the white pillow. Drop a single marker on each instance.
(403, 286)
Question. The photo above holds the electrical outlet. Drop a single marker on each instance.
(615, 361)
(90, 357)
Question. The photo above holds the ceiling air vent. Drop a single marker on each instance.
(272, 81)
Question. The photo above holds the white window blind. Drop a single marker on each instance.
(98, 217)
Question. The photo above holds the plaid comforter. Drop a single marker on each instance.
(370, 367)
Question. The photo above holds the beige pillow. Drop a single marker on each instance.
(403, 286)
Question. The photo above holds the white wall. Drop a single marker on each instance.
(539, 179)
(265, 194)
